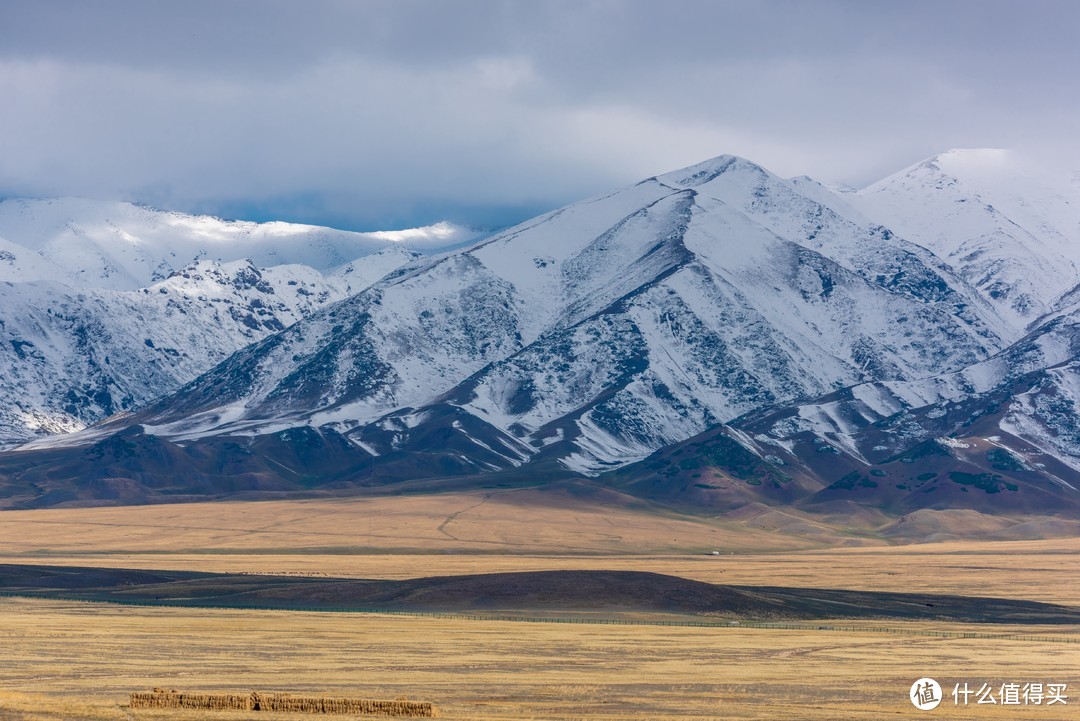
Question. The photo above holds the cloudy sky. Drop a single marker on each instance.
(366, 114)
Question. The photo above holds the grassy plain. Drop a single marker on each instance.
(524, 521)
(465, 533)
(68, 660)
(95, 654)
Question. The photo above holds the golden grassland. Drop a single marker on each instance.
(462, 533)
(83, 659)
(473, 522)
(70, 660)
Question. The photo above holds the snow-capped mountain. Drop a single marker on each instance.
(607, 329)
(85, 334)
(1009, 228)
(713, 317)
(69, 358)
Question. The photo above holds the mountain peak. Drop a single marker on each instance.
(958, 164)
(966, 161)
(708, 170)
(1007, 225)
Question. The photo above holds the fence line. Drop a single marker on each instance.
(449, 615)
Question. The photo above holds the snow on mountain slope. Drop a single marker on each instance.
(703, 343)
(825, 221)
(105, 306)
(1010, 229)
(18, 264)
(1030, 392)
(69, 358)
(120, 246)
(604, 330)
(806, 342)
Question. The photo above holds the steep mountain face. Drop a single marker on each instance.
(1018, 409)
(1007, 425)
(1001, 435)
(1007, 228)
(602, 331)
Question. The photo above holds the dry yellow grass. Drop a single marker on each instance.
(66, 660)
(486, 671)
(410, 537)
(474, 522)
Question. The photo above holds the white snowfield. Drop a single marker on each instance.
(605, 330)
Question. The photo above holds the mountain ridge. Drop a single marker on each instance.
(649, 252)
(598, 337)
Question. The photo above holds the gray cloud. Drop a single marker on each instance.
(370, 114)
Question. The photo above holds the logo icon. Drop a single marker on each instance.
(925, 694)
